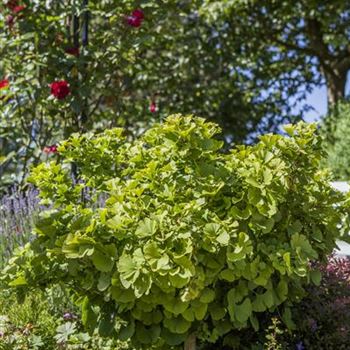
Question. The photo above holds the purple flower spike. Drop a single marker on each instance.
(300, 346)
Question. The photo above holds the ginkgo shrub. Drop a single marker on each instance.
(167, 238)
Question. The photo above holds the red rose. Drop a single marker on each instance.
(60, 89)
(136, 18)
(50, 149)
(4, 83)
(139, 14)
(18, 9)
(153, 107)
(73, 51)
(134, 21)
(53, 149)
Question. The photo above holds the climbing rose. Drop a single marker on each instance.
(18, 9)
(53, 149)
(73, 51)
(138, 14)
(60, 89)
(136, 18)
(134, 21)
(4, 83)
(153, 107)
(50, 149)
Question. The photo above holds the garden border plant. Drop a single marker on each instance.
(191, 242)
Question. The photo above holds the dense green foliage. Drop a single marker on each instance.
(336, 132)
(46, 320)
(182, 237)
(170, 237)
(18, 320)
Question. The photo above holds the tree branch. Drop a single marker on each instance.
(315, 35)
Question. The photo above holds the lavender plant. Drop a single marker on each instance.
(18, 212)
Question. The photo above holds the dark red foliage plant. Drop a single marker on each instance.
(323, 317)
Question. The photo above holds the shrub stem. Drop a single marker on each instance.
(190, 343)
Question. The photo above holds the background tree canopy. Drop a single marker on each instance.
(242, 64)
(335, 130)
(297, 43)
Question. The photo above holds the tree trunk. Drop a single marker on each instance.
(334, 67)
(336, 82)
(190, 343)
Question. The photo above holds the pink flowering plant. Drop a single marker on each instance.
(323, 317)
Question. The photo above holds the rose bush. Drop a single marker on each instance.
(174, 238)
(43, 54)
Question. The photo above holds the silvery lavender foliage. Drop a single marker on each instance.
(18, 211)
